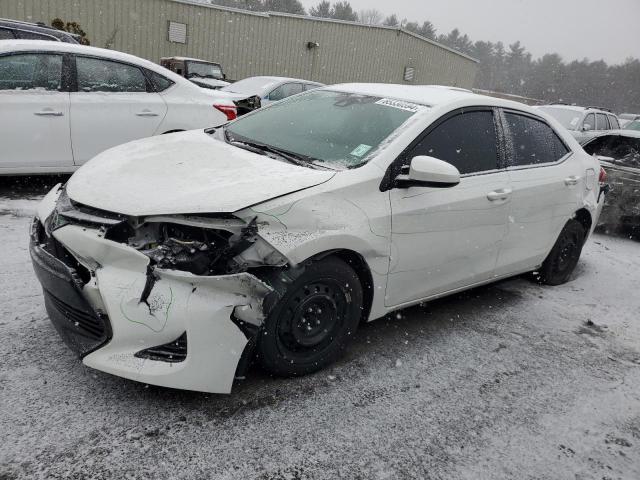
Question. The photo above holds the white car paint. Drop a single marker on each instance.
(264, 86)
(57, 131)
(580, 125)
(418, 242)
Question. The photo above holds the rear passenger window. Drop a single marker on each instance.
(614, 122)
(468, 141)
(24, 35)
(6, 34)
(97, 75)
(160, 83)
(532, 141)
(31, 71)
(601, 122)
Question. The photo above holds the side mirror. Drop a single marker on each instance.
(427, 171)
(586, 127)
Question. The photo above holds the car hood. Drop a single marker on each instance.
(189, 172)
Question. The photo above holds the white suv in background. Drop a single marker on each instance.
(62, 104)
(584, 123)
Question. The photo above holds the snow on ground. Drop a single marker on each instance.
(513, 380)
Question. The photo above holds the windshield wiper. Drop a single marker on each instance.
(295, 158)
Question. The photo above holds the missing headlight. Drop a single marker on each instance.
(198, 250)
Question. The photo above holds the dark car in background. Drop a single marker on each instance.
(14, 29)
(619, 154)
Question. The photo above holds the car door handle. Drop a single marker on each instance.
(572, 180)
(501, 194)
(146, 113)
(48, 113)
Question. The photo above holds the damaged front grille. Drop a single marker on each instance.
(172, 352)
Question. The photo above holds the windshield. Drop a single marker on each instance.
(569, 119)
(206, 70)
(336, 129)
(251, 85)
(635, 125)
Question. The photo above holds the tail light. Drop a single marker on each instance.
(602, 178)
(230, 111)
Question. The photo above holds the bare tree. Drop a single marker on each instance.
(370, 16)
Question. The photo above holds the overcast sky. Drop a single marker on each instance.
(596, 29)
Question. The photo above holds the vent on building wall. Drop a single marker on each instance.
(408, 74)
(177, 32)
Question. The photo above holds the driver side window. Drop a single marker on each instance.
(467, 140)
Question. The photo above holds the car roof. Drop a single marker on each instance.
(39, 28)
(430, 95)
(272, 78)
(576, 108)
(46, 46)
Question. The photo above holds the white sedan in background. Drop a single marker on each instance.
(62, 104)
(269, 89)
(174, 261)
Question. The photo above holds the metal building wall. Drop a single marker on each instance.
(248, 43)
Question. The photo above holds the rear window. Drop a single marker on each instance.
(532, 142)
(568, 118)
(6, 34)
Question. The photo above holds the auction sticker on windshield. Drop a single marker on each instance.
(402, 105)
(360, 150)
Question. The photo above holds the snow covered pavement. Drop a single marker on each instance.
(513, 380)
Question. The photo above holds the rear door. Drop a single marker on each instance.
(443, 239)
(34, 111)
(114, 104)
(546, 185)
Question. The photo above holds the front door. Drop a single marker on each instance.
(447, 238)
(114, 104)
(34, 112)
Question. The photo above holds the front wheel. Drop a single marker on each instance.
(312, 323)
(563, 258)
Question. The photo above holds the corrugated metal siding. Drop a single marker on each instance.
(249, 44)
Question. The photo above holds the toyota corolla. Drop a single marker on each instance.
(177, 260)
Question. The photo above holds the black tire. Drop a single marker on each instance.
(313, 322)
(564, 256)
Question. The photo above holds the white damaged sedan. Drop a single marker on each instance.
(177, 260)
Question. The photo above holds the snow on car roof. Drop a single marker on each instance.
(423, 94)
(44, 45)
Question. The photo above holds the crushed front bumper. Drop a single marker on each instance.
(103, 315)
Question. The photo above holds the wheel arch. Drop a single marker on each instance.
(583, 216)
(362, 269)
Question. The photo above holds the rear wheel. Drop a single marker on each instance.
(564, 256)
(311, 325)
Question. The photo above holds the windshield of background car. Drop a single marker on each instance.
(336, 129)
(569, 119)
(635, 125)
(204, 70)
